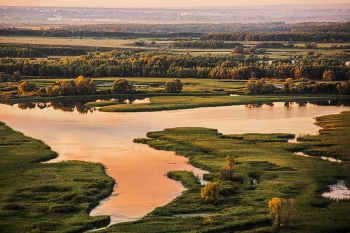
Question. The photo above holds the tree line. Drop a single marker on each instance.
(10, 50)
(209, 44)
(221, 27)
(162, 64)
(278, 36)
(261, 86)
(84, 33)
(181, 30)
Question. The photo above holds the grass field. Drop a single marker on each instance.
(242, 206)
(91, 44)
(47, 197)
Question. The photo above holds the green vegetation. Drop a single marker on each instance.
(276, 36)
(173, 86)
(9, 50)
(186, 65)
(47, 197)
(161, 103)
(267, 158)
(122, 86)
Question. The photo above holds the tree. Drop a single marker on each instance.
(24, 87)
(237, 50)
(276, 205)
(343, 88)
(290, 83)
(310, 52)
(16, 76)
(64, 87)
(228, 169)
(85, 86)
(328, 75)
(210, 192)
(122, 86)
(173, 86)
(254, 87)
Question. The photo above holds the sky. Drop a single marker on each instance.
(159, 3)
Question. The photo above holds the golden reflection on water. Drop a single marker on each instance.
(140, 171)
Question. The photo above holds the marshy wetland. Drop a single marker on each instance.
(140, 171)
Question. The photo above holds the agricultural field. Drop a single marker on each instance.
(91, 43)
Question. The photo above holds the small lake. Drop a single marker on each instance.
(80, 133)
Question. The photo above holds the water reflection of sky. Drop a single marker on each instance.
(139, 170)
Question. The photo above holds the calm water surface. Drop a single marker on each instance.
(140, 171)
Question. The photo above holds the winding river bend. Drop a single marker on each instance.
(140, 171)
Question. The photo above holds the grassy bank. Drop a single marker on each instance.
(267, 158)
(161, 103)
(47, 197)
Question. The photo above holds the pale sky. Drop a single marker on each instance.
(160, 3)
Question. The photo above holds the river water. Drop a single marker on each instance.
(139, 171)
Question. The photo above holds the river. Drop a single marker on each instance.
(139, 171)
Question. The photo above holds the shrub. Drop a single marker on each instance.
(57, 208)
(210, 192)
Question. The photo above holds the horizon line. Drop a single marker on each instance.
(177, 7)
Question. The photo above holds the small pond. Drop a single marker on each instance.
(338, 191)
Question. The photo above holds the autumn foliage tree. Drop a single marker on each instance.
(228, 169)
(85, 86)
(210, 192)
(63, 87)
(328, 75)
(122, 86)
(173, 86)
(24, 87)
(277, 213)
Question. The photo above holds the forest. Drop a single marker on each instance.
(164, 64)
(8, 50)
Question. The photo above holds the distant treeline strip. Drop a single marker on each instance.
(86, 33)
(210, 44)
(213, 27)
(9, 50)
(277, 36)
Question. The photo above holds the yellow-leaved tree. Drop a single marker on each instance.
(210, 192)
(228, 169)
(277, 213)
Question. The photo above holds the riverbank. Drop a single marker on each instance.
(42, 197)
(269, 160)
(164, 103)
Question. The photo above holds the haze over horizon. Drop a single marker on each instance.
(161, 3)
